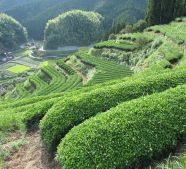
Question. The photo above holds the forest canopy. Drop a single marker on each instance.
(35, 14)
(12, 33)
(164, 11)
(73, 28)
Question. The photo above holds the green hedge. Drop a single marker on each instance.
(61, 63)
(128, 135)
(119, 44)
(72, 111)
(36, 99)
(29, 114)
(23, 93)
(34, 114)
(58, 79)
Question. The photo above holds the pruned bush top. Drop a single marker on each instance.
(127, 136)
(12, 33)
(74, 28)
(69, 112)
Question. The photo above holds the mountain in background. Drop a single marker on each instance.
(7, 4)
(12, 33)
(35, 15)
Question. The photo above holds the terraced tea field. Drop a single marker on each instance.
(118, 119)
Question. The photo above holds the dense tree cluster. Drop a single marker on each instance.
(12, 33)
(164, 11)
(35, 15)
(73, 28)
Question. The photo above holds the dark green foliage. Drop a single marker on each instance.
(12, 34)
(114, 30)
(72, 111)
(36, 14)
(164, 11)
(132, 28)
(74, 28)
(128, 136)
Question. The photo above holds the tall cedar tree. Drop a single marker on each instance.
(164, 11)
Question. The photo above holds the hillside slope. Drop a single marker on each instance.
(39, 13)
(158, 47)
(124, 123)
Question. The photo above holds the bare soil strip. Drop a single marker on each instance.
(31, 156)
(84, 78)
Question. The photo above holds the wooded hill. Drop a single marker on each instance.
(35, 15)
(12, 33)
(74, 28)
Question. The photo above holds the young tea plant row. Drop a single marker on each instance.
(181, 19)
(117, 44)
(129, 135)
(171, 53)
(72, 111)
(175, 30)
(130, 36)
(164, 56)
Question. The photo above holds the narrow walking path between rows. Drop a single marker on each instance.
(84, 78)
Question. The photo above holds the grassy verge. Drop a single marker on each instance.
(18, 69)
(22, 52)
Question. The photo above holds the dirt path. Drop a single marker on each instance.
(84, 78)
(31, 155)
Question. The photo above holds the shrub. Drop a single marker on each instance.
(72, 111)
(128, 135)
(34, 114)
(61, 63)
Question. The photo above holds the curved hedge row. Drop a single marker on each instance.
(58, 79)
(35, 112)
(174, 30)
(23, 93)
(37, 99)
(128, 135)
(61, 63)
(105, 70)
(121, 45)
(40, 84)
(72, 81)
(72, 111)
